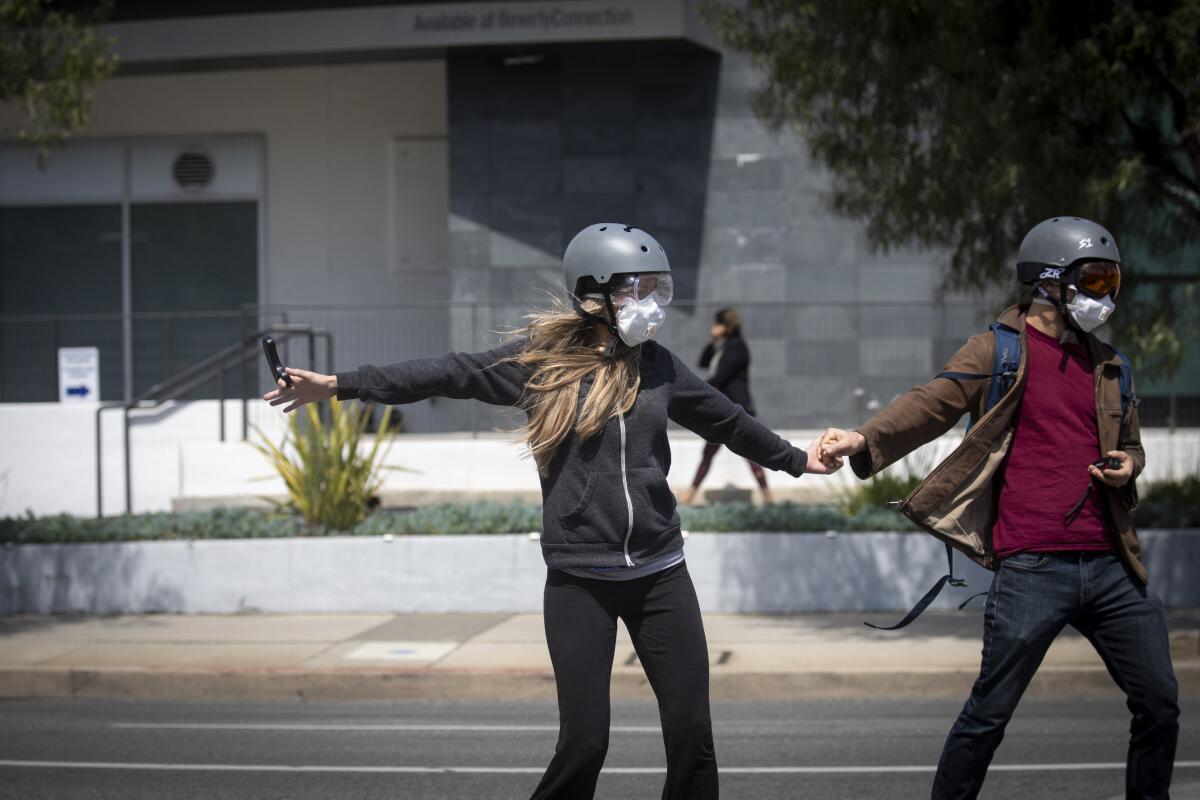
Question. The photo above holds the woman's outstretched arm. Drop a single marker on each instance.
(488, 376)
(701, 408)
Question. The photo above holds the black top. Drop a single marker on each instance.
(733, 371)
(605, 501)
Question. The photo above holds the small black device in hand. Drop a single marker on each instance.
(273, 362)
(1108, 462)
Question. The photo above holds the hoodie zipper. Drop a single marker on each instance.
(628, 498)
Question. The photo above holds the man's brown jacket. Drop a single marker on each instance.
(957, 501)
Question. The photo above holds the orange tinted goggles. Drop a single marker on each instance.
(1098, 278)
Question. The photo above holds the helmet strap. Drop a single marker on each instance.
(609, 324)
(1068, 323)
(1064, 313)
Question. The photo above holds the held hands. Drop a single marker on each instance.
(1114, 477)
(308, 387)
(836, 443)
(826, 452)
(818, 464)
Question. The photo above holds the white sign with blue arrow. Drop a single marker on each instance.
(78, 374)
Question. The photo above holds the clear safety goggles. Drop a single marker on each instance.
(634, 286)
(1098, 278)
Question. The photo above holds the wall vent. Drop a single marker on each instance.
(193, 170)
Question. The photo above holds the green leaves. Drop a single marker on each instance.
(221, 523)
(329, 481)
(50, 64)
(1168, 504)
(888, 486)
(960, 125)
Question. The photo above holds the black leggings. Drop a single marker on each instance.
(663, 618)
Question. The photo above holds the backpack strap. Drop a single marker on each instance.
(1128, 398)
(1005, 363)
(929, 597)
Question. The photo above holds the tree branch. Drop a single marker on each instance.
(1179, 109)
(1147, 142)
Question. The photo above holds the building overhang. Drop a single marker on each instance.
(393, 31)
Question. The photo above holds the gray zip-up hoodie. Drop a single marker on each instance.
(605, 500)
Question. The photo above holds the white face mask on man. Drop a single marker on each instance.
(1088, 312)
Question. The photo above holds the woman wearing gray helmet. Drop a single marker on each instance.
(598, 393)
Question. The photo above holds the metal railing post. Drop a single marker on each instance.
(54, 335)
(166, 345)
(474, 405)
(245, 379)
(287, 347)
(221, 398)
(128, 466)
(99, 468)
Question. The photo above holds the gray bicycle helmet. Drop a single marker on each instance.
(610, 248)
(600, 251)
(1054, 246)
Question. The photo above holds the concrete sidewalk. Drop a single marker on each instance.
(503, 656)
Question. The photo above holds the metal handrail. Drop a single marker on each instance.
(195, 376)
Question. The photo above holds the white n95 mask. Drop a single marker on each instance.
(1089, 312)
(639, 320)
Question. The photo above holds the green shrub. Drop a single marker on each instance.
(329, 479)
(886, 488)
(480, 517)
(1164, 505)
(1169, 504)
(224, 523)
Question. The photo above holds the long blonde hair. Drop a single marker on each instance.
(562, 350)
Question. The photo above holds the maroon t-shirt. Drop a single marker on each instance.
(1047, 468)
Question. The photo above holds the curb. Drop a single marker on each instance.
(371, 684)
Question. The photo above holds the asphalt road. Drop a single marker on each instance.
(429, 749)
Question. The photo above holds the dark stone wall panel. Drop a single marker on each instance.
(511, 212)
(598, 138)
(598, 175)
(586, 133)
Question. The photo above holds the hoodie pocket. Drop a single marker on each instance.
(657, 511)
(601, 515)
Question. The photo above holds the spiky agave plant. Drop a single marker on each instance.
(329, 480)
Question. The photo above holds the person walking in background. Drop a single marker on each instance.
(727, 359)
(598, 393)
(1040, 491)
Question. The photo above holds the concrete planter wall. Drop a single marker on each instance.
(734, 572)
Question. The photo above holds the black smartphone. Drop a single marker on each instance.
(1108, 462)
(273, 361)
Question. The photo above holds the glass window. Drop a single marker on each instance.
(194, 266)
(58, 261)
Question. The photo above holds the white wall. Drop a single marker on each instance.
(47, 460)
(48, 457)
(733, 573)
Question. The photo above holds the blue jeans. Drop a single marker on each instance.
(1032, 598)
